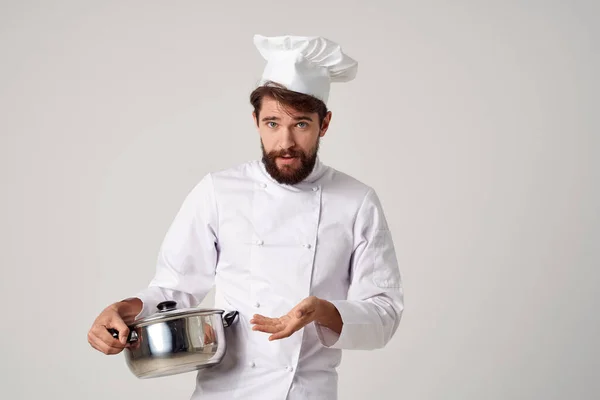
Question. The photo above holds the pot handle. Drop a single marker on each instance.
(132, 337)
(229, 318)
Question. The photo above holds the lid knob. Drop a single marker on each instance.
(166, 305)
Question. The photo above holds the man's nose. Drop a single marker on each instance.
(287, 139)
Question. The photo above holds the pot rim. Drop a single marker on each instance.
(174, 314)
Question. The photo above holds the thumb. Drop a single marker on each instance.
(123, 329)
(307, 307)
(302, 310)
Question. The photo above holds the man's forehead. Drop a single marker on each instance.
(270, 107)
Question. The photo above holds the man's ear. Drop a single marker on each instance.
(325, 124)
(254, 118)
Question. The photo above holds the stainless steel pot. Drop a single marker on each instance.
(174, 341)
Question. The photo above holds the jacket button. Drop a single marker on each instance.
(252, 364)
(260, 242)
(289, 369)
(308, 246)
(263, 185)
(315, 189)
(257, 304)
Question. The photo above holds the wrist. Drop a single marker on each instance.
(327, 313)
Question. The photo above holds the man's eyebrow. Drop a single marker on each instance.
(303, 118)
(300, 118)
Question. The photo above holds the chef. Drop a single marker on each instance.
(301, 250)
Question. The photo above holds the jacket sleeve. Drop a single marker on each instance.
(187, 258)
(373, 308)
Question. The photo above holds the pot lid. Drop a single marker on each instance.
(167, 310)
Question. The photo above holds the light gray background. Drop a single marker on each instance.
(476, 122)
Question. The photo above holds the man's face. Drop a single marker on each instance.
(290, 140)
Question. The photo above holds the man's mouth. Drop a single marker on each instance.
(287, 159)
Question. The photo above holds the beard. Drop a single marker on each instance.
(287, 174)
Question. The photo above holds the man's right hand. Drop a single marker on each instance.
(113, 318)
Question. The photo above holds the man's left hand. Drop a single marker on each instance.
(311, 309)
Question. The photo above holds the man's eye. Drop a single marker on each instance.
(302, 125)
(271, 124)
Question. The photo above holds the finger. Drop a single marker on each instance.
(304, 310)
(289, 329)
(303, 313)
(259, 317)
(301, 310)
(281, 335)
(104, 347)
(119, 325)
(209, 336)
(261, 320)
(101, 332)
(93, 341)
(133, 345)
(101, 346)
(303, 306)
(268, 328)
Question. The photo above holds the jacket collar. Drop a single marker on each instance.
(318, 170)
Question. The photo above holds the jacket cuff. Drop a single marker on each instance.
(327, 337)
(150, 299)
(357, 330)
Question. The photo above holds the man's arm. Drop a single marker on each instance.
(329, 317)
(372, 311)
(187, 259)
(185, 270)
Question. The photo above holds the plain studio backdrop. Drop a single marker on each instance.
(476, 122)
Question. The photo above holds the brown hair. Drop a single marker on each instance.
(297, 101)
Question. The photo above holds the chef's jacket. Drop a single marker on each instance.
(265, 247)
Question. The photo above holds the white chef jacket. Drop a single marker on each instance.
(267, 246)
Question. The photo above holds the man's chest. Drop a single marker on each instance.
(289, 242)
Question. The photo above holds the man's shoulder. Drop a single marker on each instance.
(213, 179)
(237, 171)
(349, 185)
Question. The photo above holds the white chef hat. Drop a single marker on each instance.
(304, 64)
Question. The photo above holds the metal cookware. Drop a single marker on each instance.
(174, 341)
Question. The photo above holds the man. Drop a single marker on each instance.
(302, 251)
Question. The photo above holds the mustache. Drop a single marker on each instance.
(286, 153)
